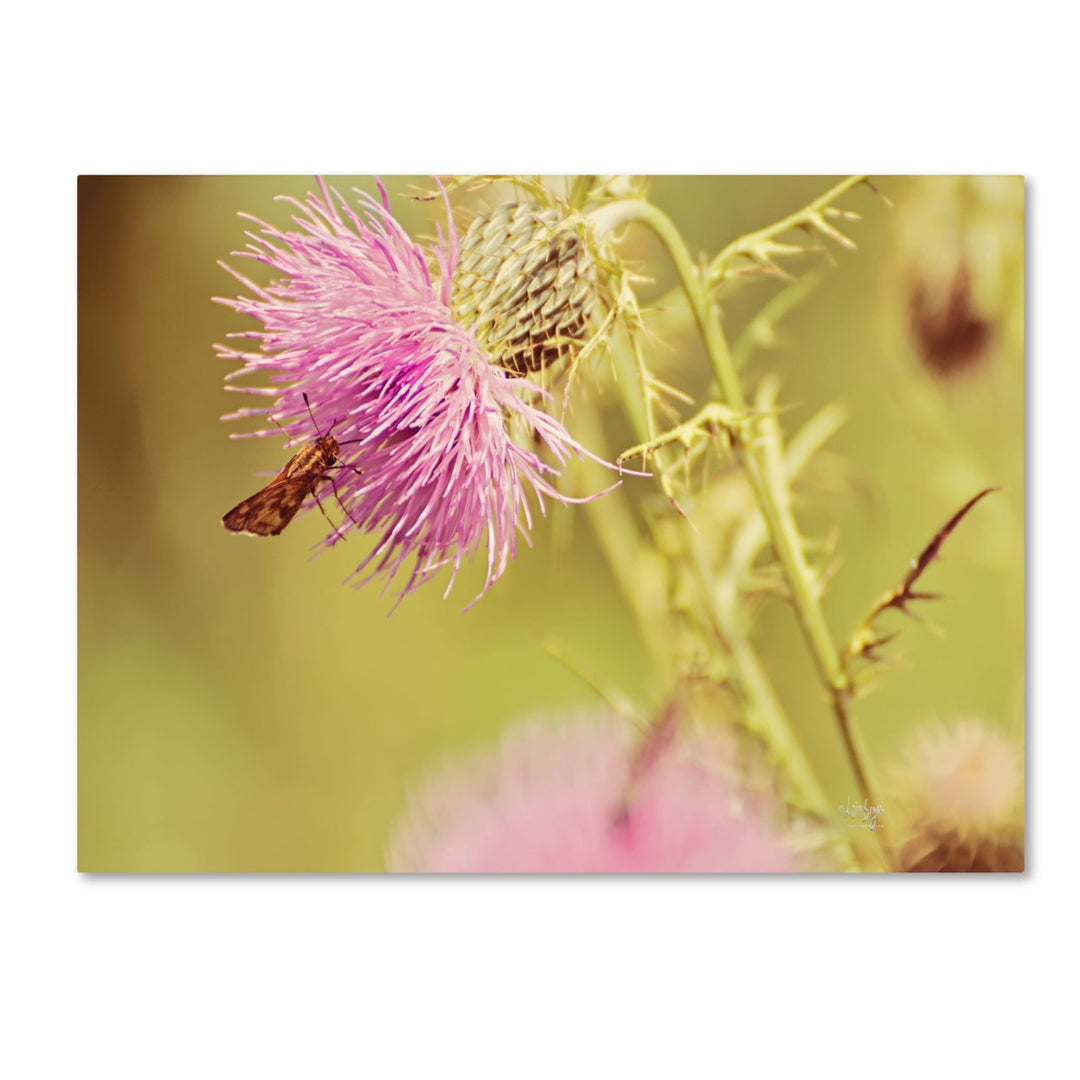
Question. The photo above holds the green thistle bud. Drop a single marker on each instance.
(525, 285)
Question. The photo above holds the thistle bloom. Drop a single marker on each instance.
(581, 797)
(960, 789)
(362, 323)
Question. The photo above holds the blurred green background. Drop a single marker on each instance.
(241, 710)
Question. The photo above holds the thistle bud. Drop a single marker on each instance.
(960, 791)
(525, 285)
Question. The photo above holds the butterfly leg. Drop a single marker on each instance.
(359, 472)
(318, 503)
(338, 497)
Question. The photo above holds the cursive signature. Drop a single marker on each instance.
(863, 815)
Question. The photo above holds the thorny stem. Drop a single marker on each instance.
(707, 419)
(628, 210)
(770, 490)
(755, 684)
(811, 216)
(753, 680)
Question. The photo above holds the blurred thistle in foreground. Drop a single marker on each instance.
(960, 790)
(586, 796)
(363, 323)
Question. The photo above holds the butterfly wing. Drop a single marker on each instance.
(268, 511)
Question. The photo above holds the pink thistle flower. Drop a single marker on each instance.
(358, 323)
(582, 797)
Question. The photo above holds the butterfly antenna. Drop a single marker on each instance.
(314, 424)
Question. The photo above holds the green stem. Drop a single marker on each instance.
(769, 486)
(786, 749)
(752, 678)
(811, 216)
(615, 214)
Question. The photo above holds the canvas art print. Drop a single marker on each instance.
(533, 524)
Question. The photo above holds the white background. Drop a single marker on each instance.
(236, 977)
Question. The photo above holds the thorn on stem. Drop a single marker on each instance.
(864, 642)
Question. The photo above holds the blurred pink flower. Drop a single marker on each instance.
(559, 799)
(359, 324)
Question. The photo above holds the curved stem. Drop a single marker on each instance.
(627, 210)
(753, 453)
